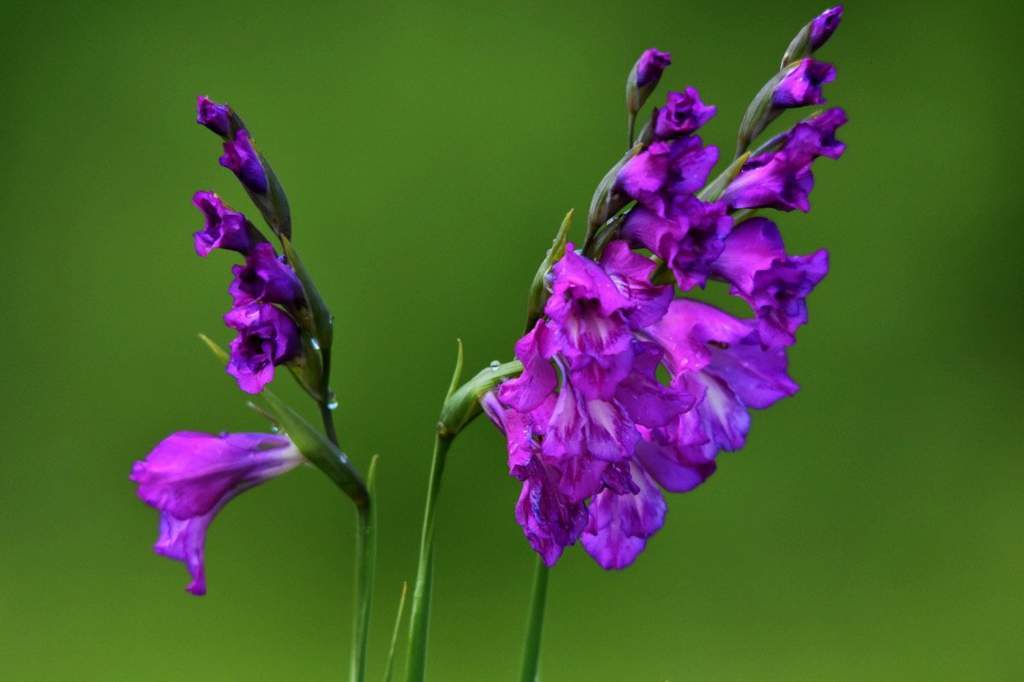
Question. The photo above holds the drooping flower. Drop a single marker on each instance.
(801, 85)
(265, 278)
(189, 477)
(782, 179)
(683, 113)
(217, 117)
(224, 228)
(241, 158)
(267, 337)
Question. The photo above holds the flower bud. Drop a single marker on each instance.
(219, 118)
(241, 158)
(813, 35)
(644, 78)
(607, 200)
(538, 295)
(798, 85)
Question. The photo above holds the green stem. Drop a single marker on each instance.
(538, 599)
(366, 561)
(419, 615)
(327, 415)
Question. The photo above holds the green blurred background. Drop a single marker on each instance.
(870, 530)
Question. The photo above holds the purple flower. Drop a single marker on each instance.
(824, 25)
(619, 524)
(682, 114)
(649, 67)
(688, 239)
(801, 86)
(666, 170)
(224, 228)
(241, 158)
(775, 285)
(267, 337)
(721, 360)
(189, 477)
(783, 179)
(265, 278)
(216, 117)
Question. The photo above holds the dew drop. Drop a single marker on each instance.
(275, 429)
(332, 404)
(494, 365)
(315, 344)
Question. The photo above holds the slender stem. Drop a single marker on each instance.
(538, 599)
(327, 415)
(631, 126)
(419, 615)
(366, 559)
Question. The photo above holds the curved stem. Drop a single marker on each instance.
(538, 599)
(419, 615)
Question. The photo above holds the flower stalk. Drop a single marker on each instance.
(535, 624)
(460, 407)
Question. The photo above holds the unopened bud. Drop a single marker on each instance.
(812, 36)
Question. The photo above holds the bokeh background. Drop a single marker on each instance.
(870, 530)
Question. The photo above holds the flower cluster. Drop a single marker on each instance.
(266, 293)
(190, 476)
(629, 388)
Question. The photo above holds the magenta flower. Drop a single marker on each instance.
(688, 239)
(241, 158)
(775, 284)
(801, 85)
(682, 114)
(189, 477)
(666, 170)
(267, 337)
(224, 228)
(783, 179)
(265, 278)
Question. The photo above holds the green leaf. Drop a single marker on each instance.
(538, 295)
(317, 449)
(389, 667)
